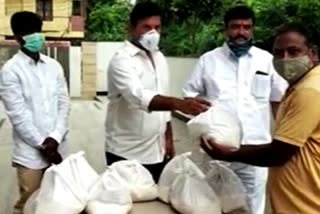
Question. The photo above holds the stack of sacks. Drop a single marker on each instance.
(193, 182)
(225, 130)
(73, 186)
(120, 185)
(183, 185)
(64, 188)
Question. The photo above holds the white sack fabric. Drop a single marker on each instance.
(201, 159)
(218, 125)
(65, 187)
(109, 195)
(170, 173)
(228, 187)
(191, 194)
(137, 179)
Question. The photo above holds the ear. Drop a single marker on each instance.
(131, 30)
(224, 29)
(313, 54)
(19, 39)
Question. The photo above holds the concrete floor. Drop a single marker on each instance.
(86, 134)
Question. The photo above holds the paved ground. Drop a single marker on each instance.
(87, 134)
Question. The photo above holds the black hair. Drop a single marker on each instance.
(238, 12)
(25, 22)
(144, 10)
(297, 28)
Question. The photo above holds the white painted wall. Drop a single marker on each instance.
(180, 71)
(75, 71)
(105, 51)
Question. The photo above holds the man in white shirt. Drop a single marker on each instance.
(138, 118)
(34, 93)
(241, 79)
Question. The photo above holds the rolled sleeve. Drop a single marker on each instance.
(17, 110)
(278, 86)
(146, 98)
(300, 117)
(123, 76)
(58, 136)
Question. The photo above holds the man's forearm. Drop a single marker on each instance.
(259, 155)
(164, 103)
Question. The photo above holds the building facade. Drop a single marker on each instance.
(63, 19)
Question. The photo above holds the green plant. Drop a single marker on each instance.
(108, 21)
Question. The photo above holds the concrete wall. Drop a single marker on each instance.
(105, 51)
(180, 71)
(2, 17)
(75, 72)
(60, 26)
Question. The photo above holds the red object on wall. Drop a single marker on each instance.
(77, 23)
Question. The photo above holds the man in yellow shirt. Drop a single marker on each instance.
(294, 154)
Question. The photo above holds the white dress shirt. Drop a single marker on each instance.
(244, 86)
(132, 131)
(37, 103)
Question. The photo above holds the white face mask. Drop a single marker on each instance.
(150, 40)
(293, 69)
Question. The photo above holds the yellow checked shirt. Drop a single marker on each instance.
(294, 188)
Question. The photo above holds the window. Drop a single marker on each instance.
(76, 8)
(45, 10)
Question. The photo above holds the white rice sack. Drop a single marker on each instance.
(228, 187)
(110, 195)
(170, 173)
(192, 195)
(216, 124)
(64, 188)
(138, 180)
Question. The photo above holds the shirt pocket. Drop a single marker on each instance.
(260, 87)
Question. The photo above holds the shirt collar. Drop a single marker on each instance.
(313, 72)
(132, 49)
(229, 53)
(28, 59)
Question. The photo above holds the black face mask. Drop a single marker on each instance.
(135, 41)
(240, 49)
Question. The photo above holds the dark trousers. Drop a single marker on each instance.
(154, 169)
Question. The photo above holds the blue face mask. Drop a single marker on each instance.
(33, 42)
(240, 49)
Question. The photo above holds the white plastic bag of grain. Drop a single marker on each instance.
(191, 194)
(216, 124)
(109, 195)
(65, 187)
(170, 173)
(201, 159)
(137, 179)
(228, 187)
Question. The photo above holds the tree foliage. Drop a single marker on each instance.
(192, 27)
(107, 20)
